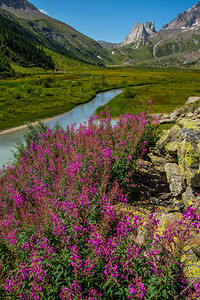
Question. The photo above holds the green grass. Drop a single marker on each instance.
(26, 100)
(166, 93)
(43, 95)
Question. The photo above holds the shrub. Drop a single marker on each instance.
(129, 92)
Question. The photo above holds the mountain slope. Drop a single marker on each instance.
(21, 8)
(53, 34)
(186, 20)
(180, 37)
(176, 44)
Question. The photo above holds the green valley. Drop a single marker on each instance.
(43, 95)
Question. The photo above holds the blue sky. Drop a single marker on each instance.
(111, 20)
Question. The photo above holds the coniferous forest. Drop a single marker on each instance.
(21, 46)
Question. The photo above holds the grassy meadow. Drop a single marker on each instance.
(167, 89)
(42, 95)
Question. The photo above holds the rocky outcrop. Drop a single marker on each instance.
(175, 163)
(181, 144)
(17, 4)
(185, 20)
(139, 34)
(22, 9)
(177, 154)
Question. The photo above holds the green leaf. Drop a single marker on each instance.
(165, 295)
(152, 292)
(106, 284)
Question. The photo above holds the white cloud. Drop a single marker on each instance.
(43, 11)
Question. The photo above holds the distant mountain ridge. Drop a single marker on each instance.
(185, 20)
(176, 44)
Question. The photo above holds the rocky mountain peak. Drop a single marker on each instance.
(150, 28)
(17, 4)
(139, 34)
(188, 19)
(21, 8)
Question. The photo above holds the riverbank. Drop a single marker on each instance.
(78, 114)
(44, 120)
(20, 127)
(27, 100)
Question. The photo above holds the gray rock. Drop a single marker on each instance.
(165, 116)
(167, 121)
(174, 178)
(192, 100)
(190, 135)
(169, 136)
(172, 148)
(189, 156)
(189, 197)
(158, 162)
(139, 34)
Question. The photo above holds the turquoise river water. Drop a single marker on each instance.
(79, 114)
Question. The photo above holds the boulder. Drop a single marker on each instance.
(167, 121)
(174, 178)
(191, 256)
(176, 157)
(189, 197)
(171, 152)
(192, 100)
(188, 123)
(189, 156)
(168, 137)
(158, 162)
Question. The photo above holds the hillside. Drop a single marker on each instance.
(27, 23)
(19, 44)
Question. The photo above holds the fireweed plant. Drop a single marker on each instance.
(63, 231)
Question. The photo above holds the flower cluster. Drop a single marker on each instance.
(64, 232)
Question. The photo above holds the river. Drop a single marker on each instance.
(78, 115)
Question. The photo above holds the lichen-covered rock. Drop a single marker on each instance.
(158, 162)
(175, 114)
(189, 198)
(174, 178)
(171, 152)
(189, 156)
(188, 123)
(171, 148)
(143, 167)
(167, 121)
(168, 137)
(190, 135)
(193, 177)
(190, 257)
(177, 156)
